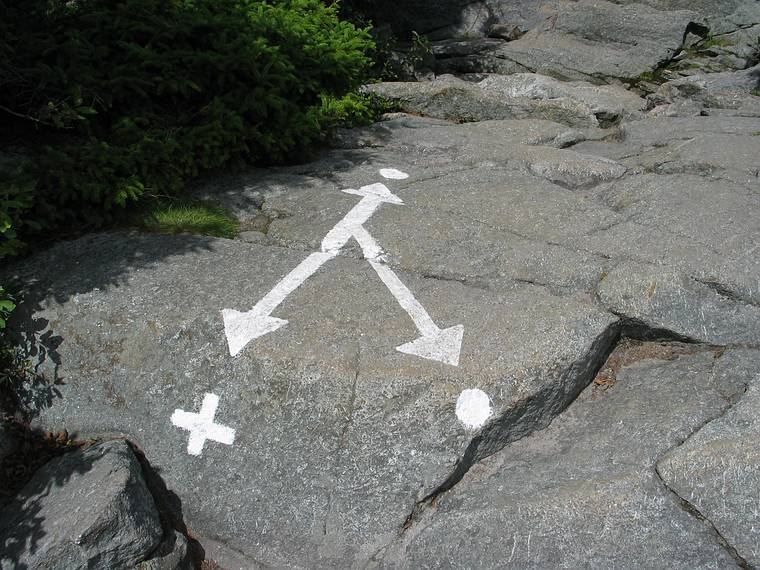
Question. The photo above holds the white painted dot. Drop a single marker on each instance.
(393, 174)
(473, 408)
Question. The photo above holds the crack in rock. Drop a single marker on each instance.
(536, 413)
(690, 507)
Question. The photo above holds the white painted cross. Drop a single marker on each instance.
(202, 427)
(434, 343)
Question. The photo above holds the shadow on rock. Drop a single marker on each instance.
(22, 527)
(169, 508)
(24, 390)
(125, 516)
(81, 267)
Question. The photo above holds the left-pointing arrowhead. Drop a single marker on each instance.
(242, 328)
(444, 346)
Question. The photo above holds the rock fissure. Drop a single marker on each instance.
(349, 414)
(512, 232)
(476, 281)
(690, 507)
(178, 543)
(726, 292)
(529, 416)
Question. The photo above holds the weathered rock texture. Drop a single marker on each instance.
(715, 471)
(552, 220)
(544, 254)
(88, 509)
(585, 492)
(519, 96)
(172, 554)
(596, 40)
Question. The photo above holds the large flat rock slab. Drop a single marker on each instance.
(337, 433)
(402, 308)
(667, 300)
(591, 40)
(587, 40)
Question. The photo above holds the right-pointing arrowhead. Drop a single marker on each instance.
(443, 346)
(242, 328)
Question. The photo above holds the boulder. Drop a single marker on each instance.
(337, 431)
(588, 40)
(598, 41)
(172, 554)
(733, 92)
(505, 31)
(606, 103)
(592, 40)
(85, 509)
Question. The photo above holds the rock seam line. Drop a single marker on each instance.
(689, 507)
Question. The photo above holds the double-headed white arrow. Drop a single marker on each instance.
(443, 345)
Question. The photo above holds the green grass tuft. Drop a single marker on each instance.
(717, 42)
(190, 217)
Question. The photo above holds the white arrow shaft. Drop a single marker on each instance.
(336, 238)
(370, 248)
(406, 299)
(351, 224)
(292, 281)
(442, 345)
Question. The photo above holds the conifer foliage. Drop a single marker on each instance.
(115, 99)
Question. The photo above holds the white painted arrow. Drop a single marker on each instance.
(352, 225)
(443, 345)
(242, 328)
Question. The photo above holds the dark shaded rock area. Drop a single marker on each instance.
(86, 509)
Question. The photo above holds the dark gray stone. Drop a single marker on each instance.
(665, 299)
(595, 40)
(453, 99)
(543, 240)
(171, 554)
(505, 31)
(325, 407)
(730, 92)
(462, 48)
(744, 81)
(85, 509)
(8, 442)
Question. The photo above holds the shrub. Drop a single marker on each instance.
(16, 199)
(6, 307)
(354, 109)
(132, 97)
